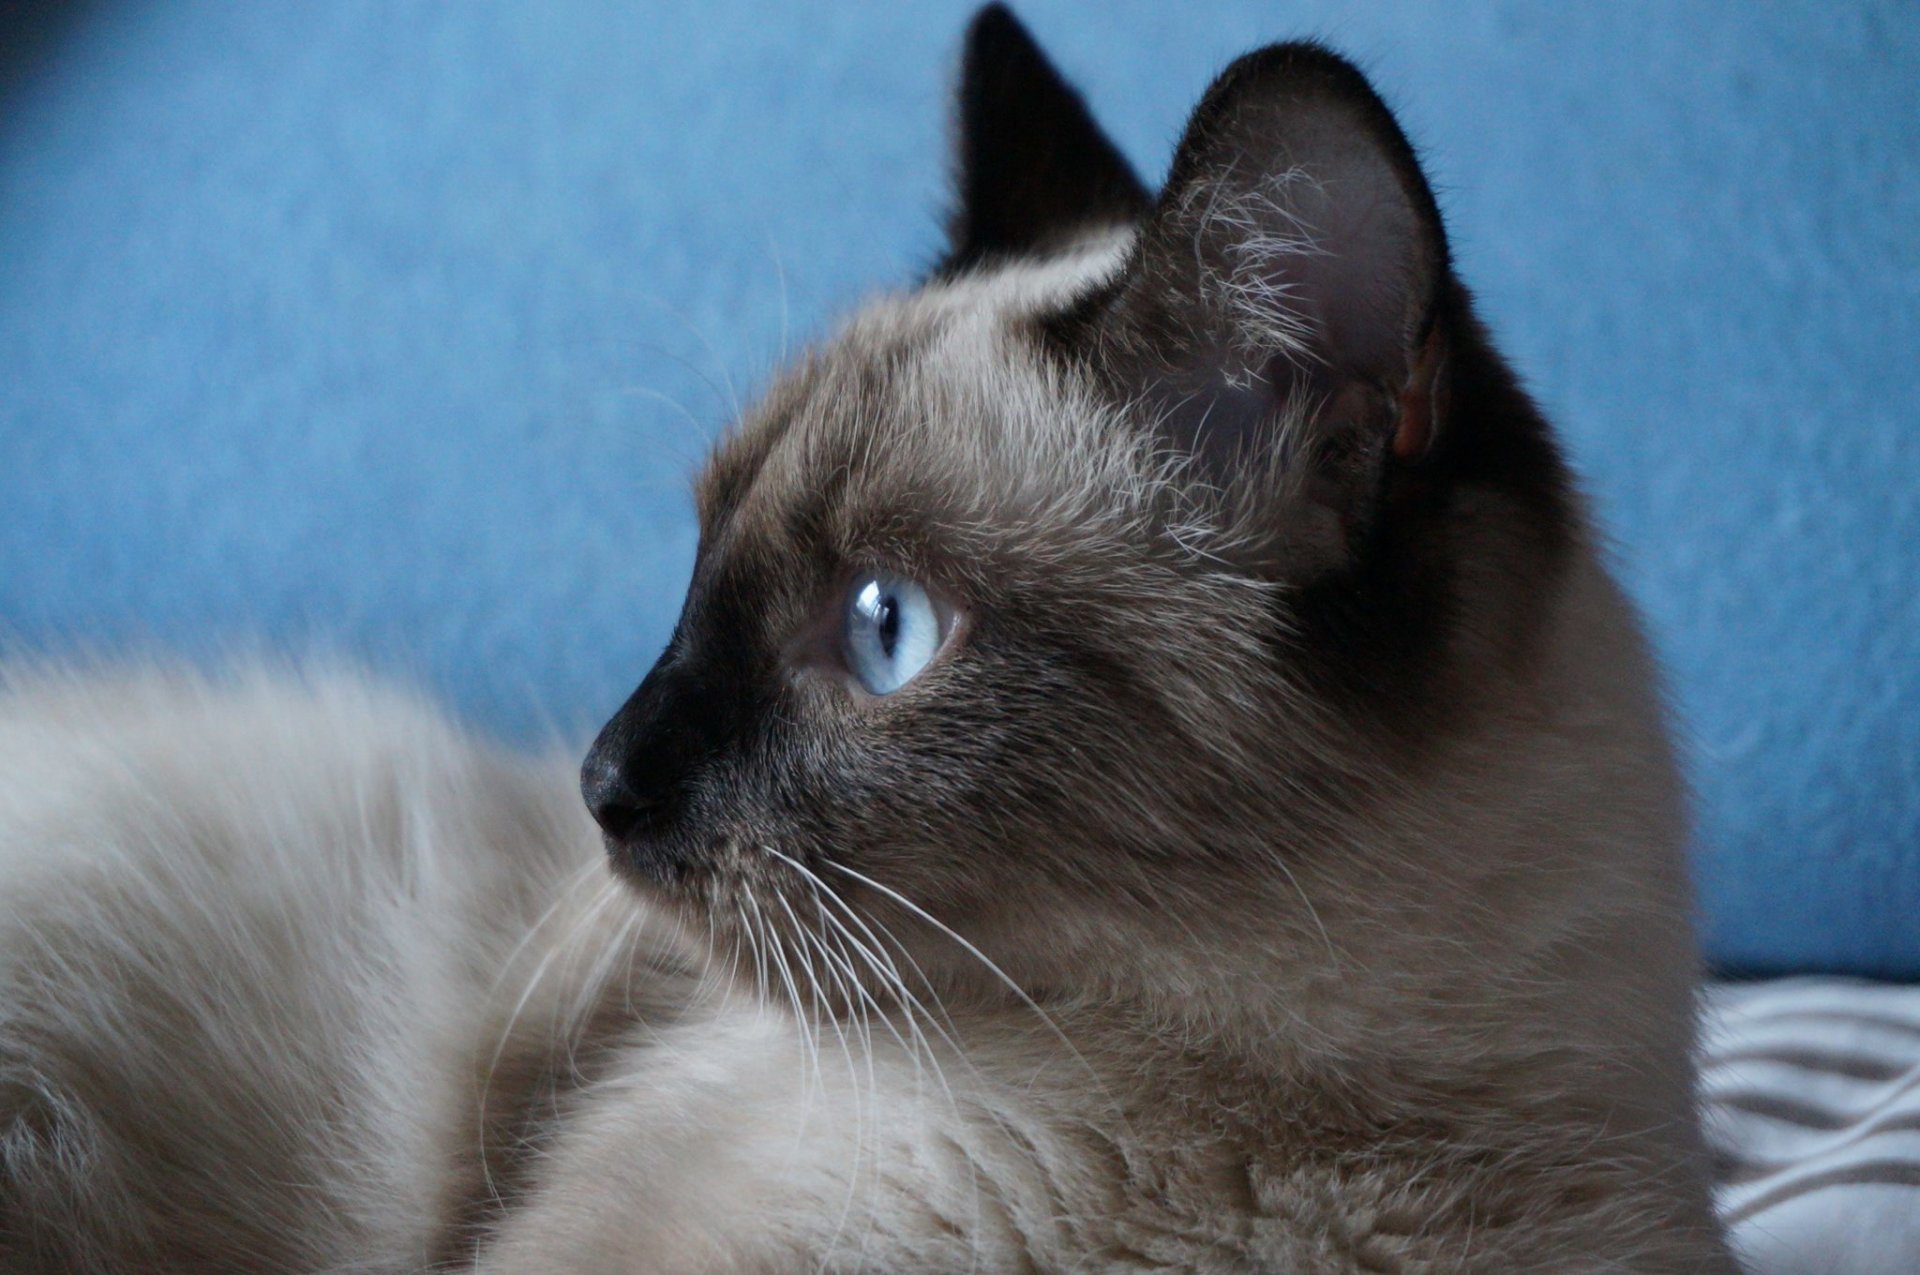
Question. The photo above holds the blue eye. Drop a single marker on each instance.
(893, 630)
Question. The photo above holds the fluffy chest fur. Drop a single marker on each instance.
(769, 1158)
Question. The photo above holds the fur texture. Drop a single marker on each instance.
(270, 946)
(1277, 867)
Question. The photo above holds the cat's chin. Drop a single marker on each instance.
(778, 936)
(682, 893)
(710, 890)
(659, 863)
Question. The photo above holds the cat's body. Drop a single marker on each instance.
(250, 1018)
(1265, 853)
(254, 935)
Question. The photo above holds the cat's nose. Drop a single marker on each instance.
(617, 805)
(640, 774)
(640, 810)
(634, 793)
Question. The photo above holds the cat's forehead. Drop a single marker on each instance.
(943, 398)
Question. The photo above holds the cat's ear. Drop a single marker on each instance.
(1033, 169)
(1277, 315)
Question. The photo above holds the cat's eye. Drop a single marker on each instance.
(893, 630)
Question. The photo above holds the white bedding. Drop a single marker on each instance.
(1812, 1090)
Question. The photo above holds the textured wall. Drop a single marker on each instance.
(393, 329)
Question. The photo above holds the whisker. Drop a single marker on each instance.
(802, 1019)
(807, 937)
(985, 961)
(890, 977)
(585, 921)
(752, 938)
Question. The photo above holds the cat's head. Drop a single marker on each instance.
(1103, 595)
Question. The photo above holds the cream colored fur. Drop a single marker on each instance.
(260, 939)
(295, 976)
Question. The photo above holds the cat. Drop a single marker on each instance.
(1152, 774)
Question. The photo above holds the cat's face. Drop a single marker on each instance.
(943, 633)
(1078, 600)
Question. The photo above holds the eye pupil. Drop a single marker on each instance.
(892, 630)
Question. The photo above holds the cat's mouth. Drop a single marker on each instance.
(711, 880)
(652, 859)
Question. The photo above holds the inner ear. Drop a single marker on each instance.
(1034, 172)
(1277, 315)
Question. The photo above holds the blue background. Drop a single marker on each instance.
(394, 329)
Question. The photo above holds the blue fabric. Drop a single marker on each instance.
(393, 329)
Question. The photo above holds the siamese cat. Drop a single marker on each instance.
(1152, 774)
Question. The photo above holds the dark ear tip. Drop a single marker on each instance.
(1298, 68)
(1034, 169)
(996, 36)
(1299, 72)
(1298, 57)
(994, 21)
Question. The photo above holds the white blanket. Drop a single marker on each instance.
(1812, 1091)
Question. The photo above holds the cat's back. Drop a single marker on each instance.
(251, 928)
(212, 796)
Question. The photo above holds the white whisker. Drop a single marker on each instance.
(985, 961)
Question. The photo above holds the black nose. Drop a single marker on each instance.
(639, 774)
(619, 807)
(633, 792)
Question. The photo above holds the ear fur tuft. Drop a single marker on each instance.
(1278, 314)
